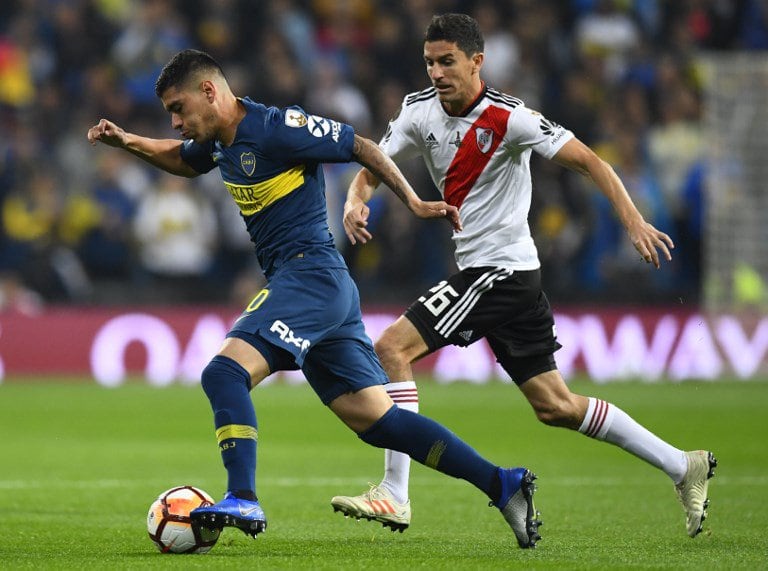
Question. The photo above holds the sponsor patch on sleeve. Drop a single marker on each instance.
(318, 126)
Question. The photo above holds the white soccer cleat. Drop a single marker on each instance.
(692, 491)
(377, 504)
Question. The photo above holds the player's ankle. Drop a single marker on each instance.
(245, 495)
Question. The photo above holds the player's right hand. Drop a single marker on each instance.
(108, 133)
(649, 241)
(438, 209)
(355, 221)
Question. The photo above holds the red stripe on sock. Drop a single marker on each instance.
(602, 419)
(595, 412)
(592, 419)
(599, 419)
(402, 396)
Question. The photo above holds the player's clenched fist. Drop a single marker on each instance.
(108, 133)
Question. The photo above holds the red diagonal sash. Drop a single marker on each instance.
(470, 160)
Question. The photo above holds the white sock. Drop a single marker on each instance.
(397, 466)
(608, 422)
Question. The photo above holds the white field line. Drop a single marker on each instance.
(341, 482)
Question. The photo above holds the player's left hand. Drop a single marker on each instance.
(648, 241)
(355, 221)
(438, 209)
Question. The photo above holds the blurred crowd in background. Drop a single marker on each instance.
(96, 225)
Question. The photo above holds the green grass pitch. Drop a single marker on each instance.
(80, 465)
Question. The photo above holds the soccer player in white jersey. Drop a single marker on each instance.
(476, 143)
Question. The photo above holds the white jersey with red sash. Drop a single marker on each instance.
(480, 162)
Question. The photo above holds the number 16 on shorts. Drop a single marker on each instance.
(442, 295)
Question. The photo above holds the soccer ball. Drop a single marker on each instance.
(169, 524)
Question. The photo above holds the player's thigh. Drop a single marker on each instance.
(527, 331)
(401, 341)
(343, 362)
(525, 343)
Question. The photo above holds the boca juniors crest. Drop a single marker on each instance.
(484, 139)
(248, 162)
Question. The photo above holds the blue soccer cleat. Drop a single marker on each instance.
(516, 505)
(245, 515)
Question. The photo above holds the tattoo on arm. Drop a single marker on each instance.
(368, 154)
(357, 147)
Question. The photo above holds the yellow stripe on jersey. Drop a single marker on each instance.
(251, 198)
(236, 431)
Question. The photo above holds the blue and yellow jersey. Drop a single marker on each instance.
(273, 171)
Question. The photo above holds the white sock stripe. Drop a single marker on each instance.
(394, 386)
(587, 415)
(459, 311)
(404, 394)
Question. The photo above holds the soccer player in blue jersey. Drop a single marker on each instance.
(308, 315)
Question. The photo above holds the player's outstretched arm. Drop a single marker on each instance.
(648, 240)
(380, 168)
(164, 154)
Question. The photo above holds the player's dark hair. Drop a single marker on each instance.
(459, 29)
(182, 66)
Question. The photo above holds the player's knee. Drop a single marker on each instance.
(208, 377)
(220, 372)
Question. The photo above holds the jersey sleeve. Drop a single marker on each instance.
(199, 157)
(293, 134)
(530, 128)
(399, 140)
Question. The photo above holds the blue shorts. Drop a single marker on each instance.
(310, 319)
